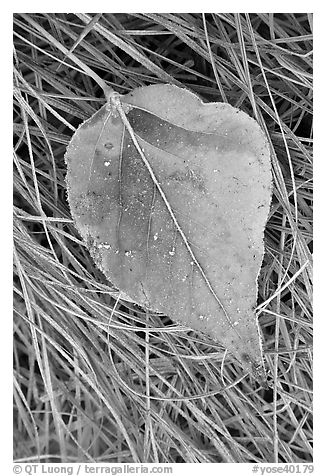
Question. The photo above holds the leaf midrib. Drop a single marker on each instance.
(116, 104)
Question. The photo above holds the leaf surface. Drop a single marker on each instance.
(171, 196)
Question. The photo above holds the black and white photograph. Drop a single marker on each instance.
(162, 242)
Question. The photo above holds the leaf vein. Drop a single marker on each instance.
(172, 123)
(117, 104)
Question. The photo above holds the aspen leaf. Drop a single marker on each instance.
(171, 196)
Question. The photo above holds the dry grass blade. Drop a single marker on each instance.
(96, 378)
